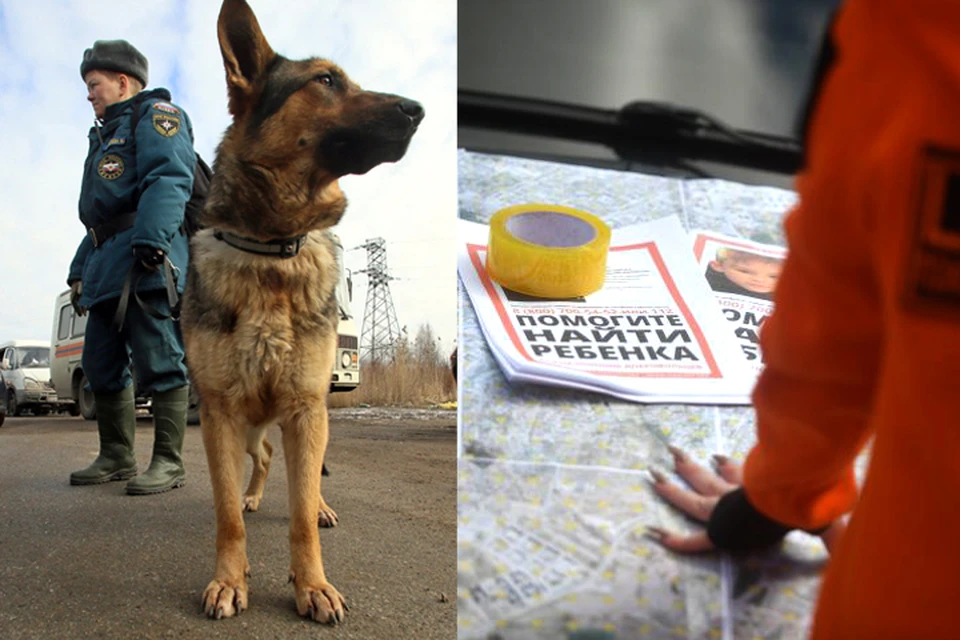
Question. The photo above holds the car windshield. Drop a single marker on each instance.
(34, 357)
(748, 64)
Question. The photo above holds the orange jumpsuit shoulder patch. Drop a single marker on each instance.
(932, 270)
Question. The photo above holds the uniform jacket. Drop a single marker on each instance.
(153, 175)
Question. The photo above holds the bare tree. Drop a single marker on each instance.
(426, 348)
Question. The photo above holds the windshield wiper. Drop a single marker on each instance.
(640, 131)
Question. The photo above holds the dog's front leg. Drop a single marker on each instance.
(223, 439)
(304, 443)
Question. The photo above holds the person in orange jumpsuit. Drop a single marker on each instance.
(864, 340)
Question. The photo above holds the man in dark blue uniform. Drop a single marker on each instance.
(130, 267)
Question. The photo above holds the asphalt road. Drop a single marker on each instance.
(92, 562)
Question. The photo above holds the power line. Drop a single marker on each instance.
(435, 240)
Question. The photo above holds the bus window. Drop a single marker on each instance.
(63, 328)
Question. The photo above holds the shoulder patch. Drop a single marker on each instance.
(166, 107)
(110, 167)
(932, 270)
(166, 125)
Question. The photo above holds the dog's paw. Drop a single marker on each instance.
(321, 603)
(224, 600)
(251, 503)
(327, 517)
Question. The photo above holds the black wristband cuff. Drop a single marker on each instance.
(736, 525)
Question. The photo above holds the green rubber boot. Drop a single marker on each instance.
(166, 468)
(116, 424)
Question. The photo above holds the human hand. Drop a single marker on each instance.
(149, 257)
(76, 290)
(701, 502)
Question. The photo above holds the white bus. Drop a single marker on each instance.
(70, 383)
(346, 366)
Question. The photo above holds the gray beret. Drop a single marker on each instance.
(115, 55)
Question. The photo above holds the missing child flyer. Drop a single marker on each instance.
(743, 276)
(651, 333)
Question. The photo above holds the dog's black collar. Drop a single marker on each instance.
(283, 248)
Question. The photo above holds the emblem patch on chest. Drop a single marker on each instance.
(166, 125)
(110, 167)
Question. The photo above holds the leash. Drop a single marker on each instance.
(170, 275)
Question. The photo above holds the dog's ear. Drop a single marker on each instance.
(246, 53)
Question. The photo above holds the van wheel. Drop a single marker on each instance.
(12, 408)
(85, 400)
(73, 410)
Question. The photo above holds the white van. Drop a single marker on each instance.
(66, 370)
(25, 377)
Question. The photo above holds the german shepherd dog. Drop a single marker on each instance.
(259, 312)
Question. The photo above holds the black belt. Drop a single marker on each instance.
(103, 232)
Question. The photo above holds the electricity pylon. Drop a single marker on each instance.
(380, 330)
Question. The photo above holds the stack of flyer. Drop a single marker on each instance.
(677, 319)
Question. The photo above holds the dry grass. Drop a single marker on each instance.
(399, 383)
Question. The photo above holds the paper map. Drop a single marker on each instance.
(553, 491)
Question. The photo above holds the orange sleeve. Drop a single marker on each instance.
(838, 313)
(822, 343)
(821, 348)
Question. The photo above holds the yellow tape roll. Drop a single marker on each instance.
(548, 251)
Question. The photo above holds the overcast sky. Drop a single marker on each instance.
(408, 48)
